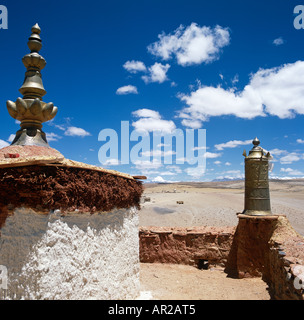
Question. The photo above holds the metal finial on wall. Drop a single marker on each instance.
(30, 110)
(257, 196)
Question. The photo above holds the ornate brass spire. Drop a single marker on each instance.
(30, 110)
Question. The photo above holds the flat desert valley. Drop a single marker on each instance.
(215, 203)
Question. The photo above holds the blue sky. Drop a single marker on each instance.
(233, 68)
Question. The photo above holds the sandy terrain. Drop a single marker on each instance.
(208, 204)
(179, 282)
(216, 203)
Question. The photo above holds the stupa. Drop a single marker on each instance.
(68, 230)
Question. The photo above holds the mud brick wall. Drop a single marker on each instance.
(201, 246)
(66, 188)
(270, 248)
(266, 247)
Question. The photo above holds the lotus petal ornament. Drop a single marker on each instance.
(30, 110)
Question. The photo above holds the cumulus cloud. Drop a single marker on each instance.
(76, 132)
(151, 120)
(291, 157)
(212, 155)
(135, 66)
(156, 73)
(277, 92)
(300, 141)
(232, 144)
(159, 179)
(191, 45)
(126, 90)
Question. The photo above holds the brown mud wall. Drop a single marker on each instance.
(200, 246)
(50, 187)
(266, 247)
(270, 248)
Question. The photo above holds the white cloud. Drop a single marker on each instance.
(277, 152)
(235, 79)
(135, 66)
(11, 137)
(52, 136)
(76, 132)
(277, 92)
(146, 113)
(230, 175)
(192, 123)
(212, 155)
(227, 164)
(126, 90)
(292, 172)
(156, 73)
(291, 157)
(300, 141)
(151, 120)
(3, 144)
(159, 179)
(200, 148)
(58, 126)
(191, 45)
(232, 144)
(147, 167)
(196, 172)
(279, 41)
(217, 162)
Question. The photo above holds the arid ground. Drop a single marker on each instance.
(209, 204)
(216, 203)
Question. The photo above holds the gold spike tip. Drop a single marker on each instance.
(34, 42)
(36, 29)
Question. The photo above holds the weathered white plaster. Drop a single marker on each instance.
(75, 256)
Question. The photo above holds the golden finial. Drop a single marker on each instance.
(30, 110)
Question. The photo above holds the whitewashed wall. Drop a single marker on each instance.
(76, 256)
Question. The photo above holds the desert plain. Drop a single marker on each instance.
(189, 204)
(215, 203)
